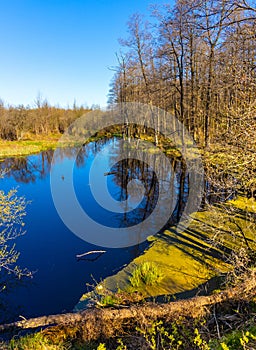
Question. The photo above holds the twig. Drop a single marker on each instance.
(216, 321)
(91, 252)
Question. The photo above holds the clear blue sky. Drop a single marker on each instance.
(61, 48)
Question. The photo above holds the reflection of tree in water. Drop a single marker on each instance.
(130, 169)
(28, 169)
(90, 149)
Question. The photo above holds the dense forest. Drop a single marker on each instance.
(196, 60)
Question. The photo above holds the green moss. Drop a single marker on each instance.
(189, 258)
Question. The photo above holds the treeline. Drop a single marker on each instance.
(20, 123)
(196, 60)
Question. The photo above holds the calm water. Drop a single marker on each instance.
(49, 249)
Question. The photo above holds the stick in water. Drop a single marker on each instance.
(91, 252)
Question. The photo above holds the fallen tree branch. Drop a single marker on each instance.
(101, 322)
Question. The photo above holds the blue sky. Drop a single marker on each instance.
(61, 49)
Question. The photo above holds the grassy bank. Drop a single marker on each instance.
(27, 147)
(183, 260)
(223, 320)
(34, 145)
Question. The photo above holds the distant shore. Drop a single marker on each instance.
(26, 147)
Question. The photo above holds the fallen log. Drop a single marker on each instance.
(97, 322)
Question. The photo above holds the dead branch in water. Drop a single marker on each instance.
(89, 253)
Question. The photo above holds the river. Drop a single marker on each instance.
(48, 248)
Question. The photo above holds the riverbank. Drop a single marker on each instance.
(186, 259)
(36, 144)
(27, 147)
(32, 146)
(224, 320)
(201, 251)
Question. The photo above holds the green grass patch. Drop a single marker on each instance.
(147, 273)
(35, 341)
(34, 146)
(236, 340)
(108, 300)
(27, 147)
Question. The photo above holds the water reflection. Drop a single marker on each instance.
(50, 249)
(37, 167)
